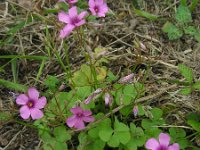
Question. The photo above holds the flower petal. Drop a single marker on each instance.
(79, 124)
(88, 119)
(100, 14)
(36, 113)
(63, 17)
(66, 31)
(24, 112)
(33, 93)
(22, 99)
(41, 102)
(87, 112)
(175, 146)
(73, 12)
(72, 1)
(82, 14)
(99, 2)
(71, 121)
(91, 3)
(164, 139)
(93, 11)
(81, 22)
(76, 110)
(152, 144)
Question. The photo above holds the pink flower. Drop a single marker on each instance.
(98, 8)
(163, 144)
(80, 116)
(72, 19)
(69, 1)
(31, 104)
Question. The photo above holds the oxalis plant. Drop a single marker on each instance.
(94, 109)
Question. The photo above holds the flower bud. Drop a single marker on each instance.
(93, 95)
(108, 99)
(127, 79)
(135, 111)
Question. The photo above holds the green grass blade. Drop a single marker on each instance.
(193, 5)
(145, 14)
(12, 85)
(40, 71)
(14, 69)
(24, 57)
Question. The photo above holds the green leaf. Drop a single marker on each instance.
(126, 110)
(61, 134)
(183, 142)
(12, 85)
(185, 91)
(114, 141)
(147, 123)
(152, 132)
(186, 72)
(130, 94)
(195, 124)
(197, 36)
(193, 116)
(131, 145)
(121, 134)
(122, 131)
(60, 146)
(105, 130)
(94, 145)
(141, 111)
(105, 134)
(111, 77)
(93, 133)
(177, 133)
(145, 14)
(51, 82)
(5, 116)
(137, 134)
(183, 15)
(166, 27)
(83, 92)
(172, 31)
(191, 30)
(157, 113)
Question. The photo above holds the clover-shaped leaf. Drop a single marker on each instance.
(121, 134)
